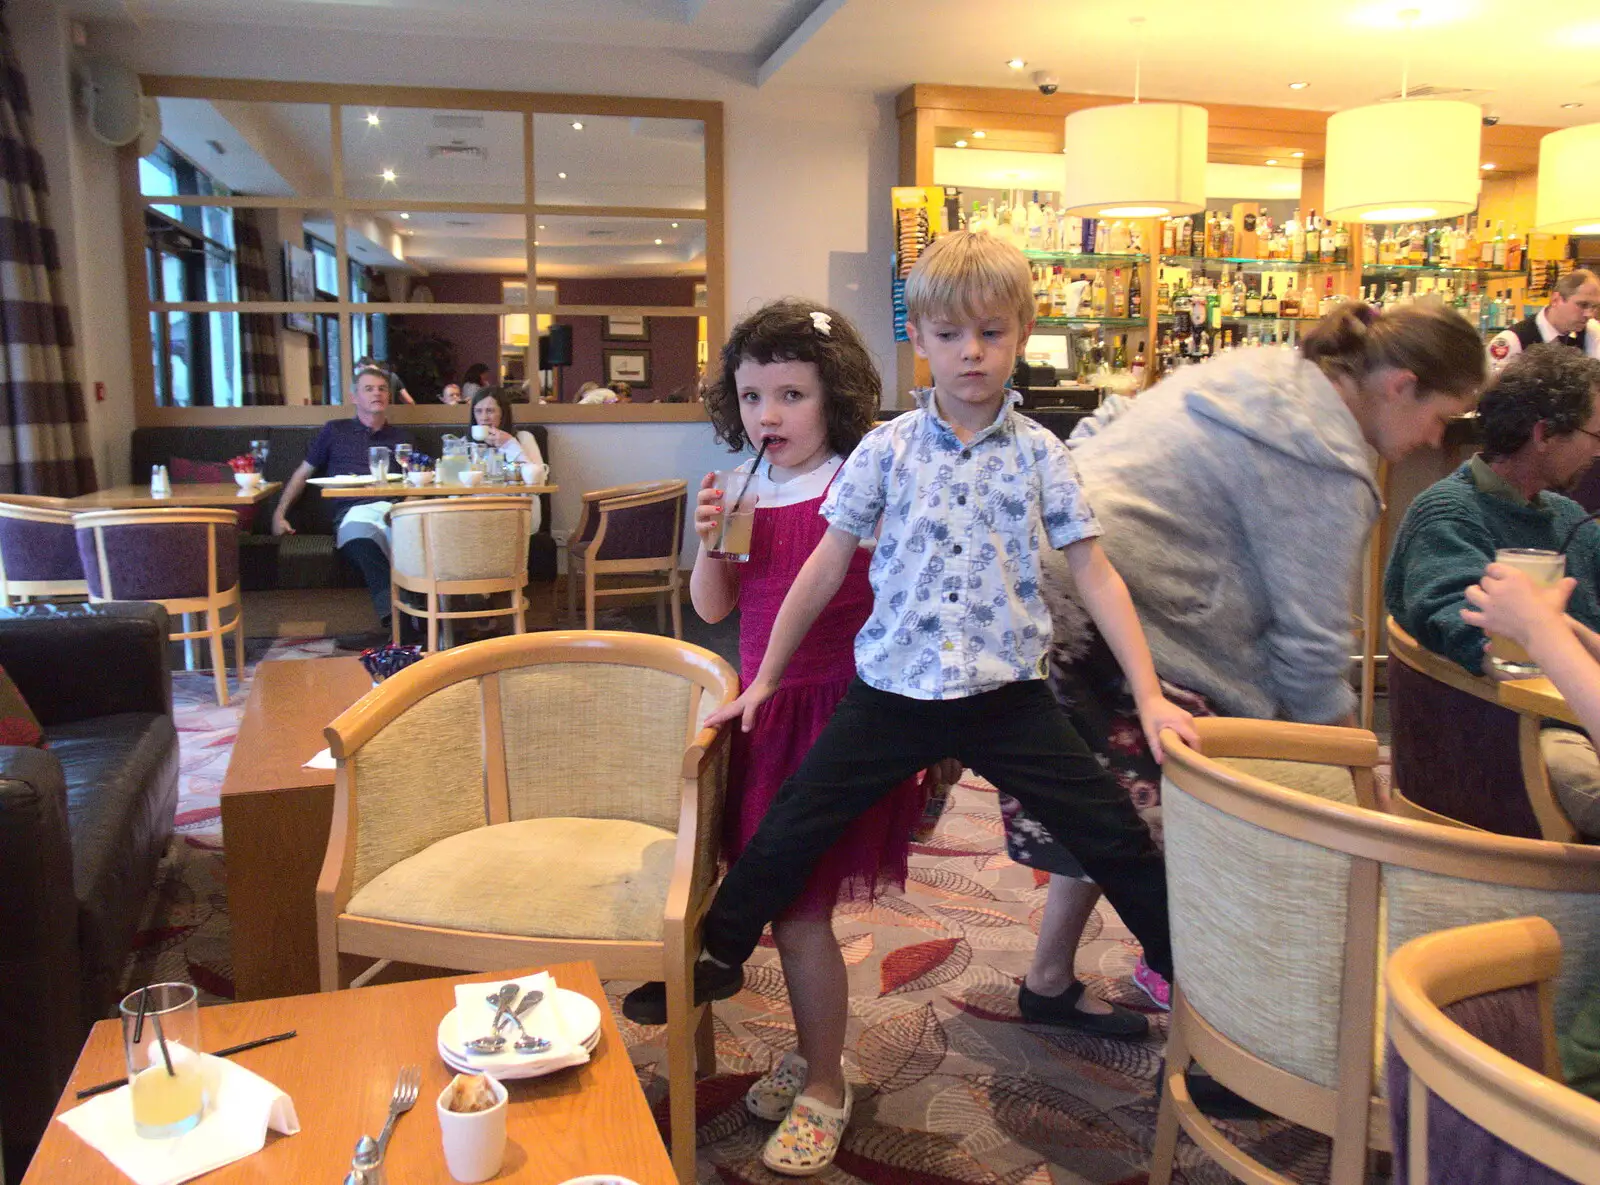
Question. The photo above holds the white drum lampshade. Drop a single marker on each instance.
(1401, 162)
(1136, 160)
(1568, 198)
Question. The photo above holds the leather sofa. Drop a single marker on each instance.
(307, 559)
(83, 826)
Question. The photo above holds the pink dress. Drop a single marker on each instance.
(872, 854)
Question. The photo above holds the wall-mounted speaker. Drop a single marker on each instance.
(555, 347)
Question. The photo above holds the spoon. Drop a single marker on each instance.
(525, 1043)
(494, 1042)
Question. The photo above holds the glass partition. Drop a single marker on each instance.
(593, 160)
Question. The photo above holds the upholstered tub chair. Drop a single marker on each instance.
(630, 531)
(459, 547)
(38, 551)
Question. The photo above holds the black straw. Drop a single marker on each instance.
(138, 1020)
(112, 1084)
(161, 1040)
(749, 477)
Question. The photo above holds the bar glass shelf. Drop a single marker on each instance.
(1248, 319)
(1249, 264)
(1073, 259)
(1397, 271)
(1070, 322)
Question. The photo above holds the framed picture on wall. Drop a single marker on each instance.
(627, 327)
(628, 366)
(299, 284)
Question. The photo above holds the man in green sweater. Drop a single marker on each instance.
(1541, 430)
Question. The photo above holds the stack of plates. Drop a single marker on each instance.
(579, 1014)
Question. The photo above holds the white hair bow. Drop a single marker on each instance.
(823, 322)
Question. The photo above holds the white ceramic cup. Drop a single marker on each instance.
(480, 432)
(471, 477)
(418, 477)
(247, 481)
(474, 1143)
(533, 473)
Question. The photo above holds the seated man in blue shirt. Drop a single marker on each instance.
(360, 535)
(1541, 431)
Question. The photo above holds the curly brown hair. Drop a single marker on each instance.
(786, 331)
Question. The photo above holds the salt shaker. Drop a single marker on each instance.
(160, 485)
(366, 1168)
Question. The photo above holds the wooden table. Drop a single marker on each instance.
(401, 490)
(1538, 697)
(341, 1069)
(275, 819)
(138, 497)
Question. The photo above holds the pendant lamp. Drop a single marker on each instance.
(1406, 161)
(1568, 198)
(1136, 160)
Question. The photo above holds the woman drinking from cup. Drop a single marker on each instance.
(493, 425)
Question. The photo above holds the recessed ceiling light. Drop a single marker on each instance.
(1570, 106)
(535, 242)
(658, 242)
(674, 226)
(541, 226)
(980, 134)
(1017, 64)
(372, 119)
(1298, 86)
(961, 143)
(577, 125)
(1487, 165)
(388, 174)
(406, 216)
(1297, 155)
(1272, 162)
(563, 176)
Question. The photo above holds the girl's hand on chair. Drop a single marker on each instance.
(744, 707)
(1159, 712)
(708, 511)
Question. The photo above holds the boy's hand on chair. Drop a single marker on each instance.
(1159, 712)
(744, 707)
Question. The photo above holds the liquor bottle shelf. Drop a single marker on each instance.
(1069, 322)
(1248, 264)
(1379, 271)
(1244, 318)
(1073, 259)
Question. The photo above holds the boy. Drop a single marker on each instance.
(952, 661)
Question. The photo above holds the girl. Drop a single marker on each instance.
(796, 377)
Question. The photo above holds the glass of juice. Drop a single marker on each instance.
(165, 1076)
(1544, 568)
(738, 518)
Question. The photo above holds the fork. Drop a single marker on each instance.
(403, 1099)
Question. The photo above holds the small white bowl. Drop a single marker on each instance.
(247, 481)
(472, 477)
(419, 477)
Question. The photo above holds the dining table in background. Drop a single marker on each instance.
(340, 1070)
(396, 490)
(184, 494)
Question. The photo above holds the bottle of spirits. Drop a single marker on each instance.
(1239, 297)
(1269, 302)
(1296, 234)
(1138, 368)
(1289, 302)
(1225, 294)
(1186, 237)
(1313, 238)
(1388, 249)
(1136, 295)
(1341, 244)
(1119, 356)
(1097, 295)
(1230, 239)
(1119, 296)
(1169, 237)
(1500, 246)
(1514, 250)
(1330, 245)
(1325, 306)
(1252, 302)
(1485, 245)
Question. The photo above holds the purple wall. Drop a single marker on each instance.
(477, 336)
(671, 347)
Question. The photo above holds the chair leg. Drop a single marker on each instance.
(219, 656)
(661, 613)
(1164, 1152)
(572, 589)
(680, 1070)
(519, 619)
(588, 599)
(705, 1043)
(677, 606)
(238, 640)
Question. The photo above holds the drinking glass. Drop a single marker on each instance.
(259, 450)
(402, 457)
(1544, 568)
(378, 460)
(738, 517)
(162, 1049)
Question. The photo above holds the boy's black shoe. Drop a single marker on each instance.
(1122, 1024)
(647, 1003)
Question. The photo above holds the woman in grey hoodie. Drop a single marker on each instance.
(1235, 497)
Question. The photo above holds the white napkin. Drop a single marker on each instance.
(322, 760)
(474, 1015)
(242, 1106)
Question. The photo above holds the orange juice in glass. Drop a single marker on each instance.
(737, 527)
(1545, 569)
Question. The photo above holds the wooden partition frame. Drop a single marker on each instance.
(339, 95)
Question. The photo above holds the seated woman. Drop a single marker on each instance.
(474, 382)
(491, 410)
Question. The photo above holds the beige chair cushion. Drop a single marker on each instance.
(1331, 782)
(537, 878)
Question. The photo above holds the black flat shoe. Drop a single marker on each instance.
(1215, 1100)
(647, 1003)
(1121, 1024)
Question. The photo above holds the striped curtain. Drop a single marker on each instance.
(44, 431)
(258, 333)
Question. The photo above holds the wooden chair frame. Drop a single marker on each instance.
(694, 875)
(601, 503)
(212, 604)
(37, 510)
(1535, 1113)
(1553, 822)
(433, 591)
(1355, 1119)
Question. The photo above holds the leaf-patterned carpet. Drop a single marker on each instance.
(951, 1087)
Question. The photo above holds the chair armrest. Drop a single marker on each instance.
(705, 784)
(1282, 740)
(77, 662)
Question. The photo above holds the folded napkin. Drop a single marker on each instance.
(474, 1014)
(241, 1107)
(322, 760)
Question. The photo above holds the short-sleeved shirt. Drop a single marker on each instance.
(957, 608)
(341, 447)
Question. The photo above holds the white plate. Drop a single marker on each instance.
(581, 1015)
(351, 479)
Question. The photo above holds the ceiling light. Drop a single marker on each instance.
(388, 175)
(1298, 86)
(658, 242)
(1272, 162)
(1416, 155)
(562, 176)
(535, 242)
(1566, 201)
(1298, 155)
(406, 216)
(1486, 165)
(961, 143)
(372, 119)
(1570, 106)
(541, 226)
(674, 226)
(980, 135)
(1017, 64)
(577, 125)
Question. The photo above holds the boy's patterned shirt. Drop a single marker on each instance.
(957, 608)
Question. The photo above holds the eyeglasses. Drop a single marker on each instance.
(1586, 432)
